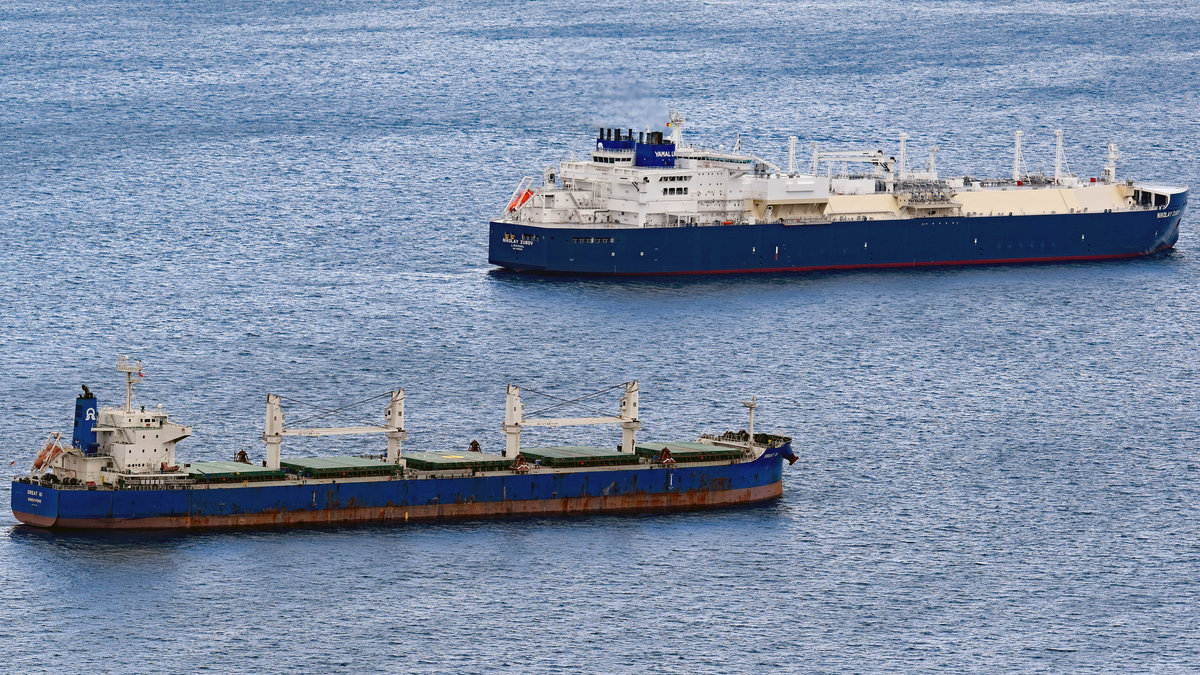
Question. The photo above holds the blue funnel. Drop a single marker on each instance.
(84, 436)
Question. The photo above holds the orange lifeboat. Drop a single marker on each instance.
(49, 453)
(520, 200)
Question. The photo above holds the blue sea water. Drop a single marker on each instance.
(998, 465)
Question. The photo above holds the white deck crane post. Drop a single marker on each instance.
(630, 422)
(273, 435)
(513, 410)
(394, 416)
(514, 420)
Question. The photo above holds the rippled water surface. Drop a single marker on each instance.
(999, 465)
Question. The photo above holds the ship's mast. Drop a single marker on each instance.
(751, 404)
(1110, 169)
(791, 156)
(124, 365)
(903, 156)
(676, 122)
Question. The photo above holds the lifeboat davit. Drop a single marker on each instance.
(48, 454)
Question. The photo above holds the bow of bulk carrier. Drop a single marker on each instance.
(646, 204)
(119, 471)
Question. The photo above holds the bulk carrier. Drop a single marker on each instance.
(119, 471)
(646, 204)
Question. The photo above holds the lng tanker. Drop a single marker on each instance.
(119, 470)
(645, 204)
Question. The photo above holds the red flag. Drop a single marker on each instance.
(140, 374)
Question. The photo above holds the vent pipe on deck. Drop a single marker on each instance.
(1058, 156)
(1017, 156)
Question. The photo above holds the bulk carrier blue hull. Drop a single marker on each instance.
(119, 472)
(775, 247)
(490, 495)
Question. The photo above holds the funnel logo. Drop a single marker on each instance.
(90, 414)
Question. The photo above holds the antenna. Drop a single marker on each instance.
(737, 145)
(124, 365)
(931, 165)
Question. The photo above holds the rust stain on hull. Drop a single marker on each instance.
(461, 510)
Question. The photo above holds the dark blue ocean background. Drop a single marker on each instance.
(998, 468)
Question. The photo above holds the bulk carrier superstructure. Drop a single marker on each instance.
(645, 204)
(119, 471)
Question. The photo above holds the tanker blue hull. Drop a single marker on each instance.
(542, 492)
(775, 247)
